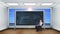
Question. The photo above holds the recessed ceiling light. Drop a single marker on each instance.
(46, 4)
(12, 4)
(29, 3)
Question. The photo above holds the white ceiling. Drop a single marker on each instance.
(21, 1)
(34, 1)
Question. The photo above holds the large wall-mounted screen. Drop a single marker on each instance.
(28, 17)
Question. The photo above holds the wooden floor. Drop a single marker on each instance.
(29, 31)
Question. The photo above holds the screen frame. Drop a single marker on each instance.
(26, 26)
(30, 12)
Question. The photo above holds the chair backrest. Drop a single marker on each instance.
(40, 23)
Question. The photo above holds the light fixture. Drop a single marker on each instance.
(46, 4)
(29, 3)
(15, 4)
(29, 9)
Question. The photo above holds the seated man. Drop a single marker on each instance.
(39, 26)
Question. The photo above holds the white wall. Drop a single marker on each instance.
(56, 17)
(3, 17)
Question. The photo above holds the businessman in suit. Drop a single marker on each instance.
(39, 26)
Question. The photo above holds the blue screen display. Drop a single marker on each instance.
(11, 15)
(46, 17)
